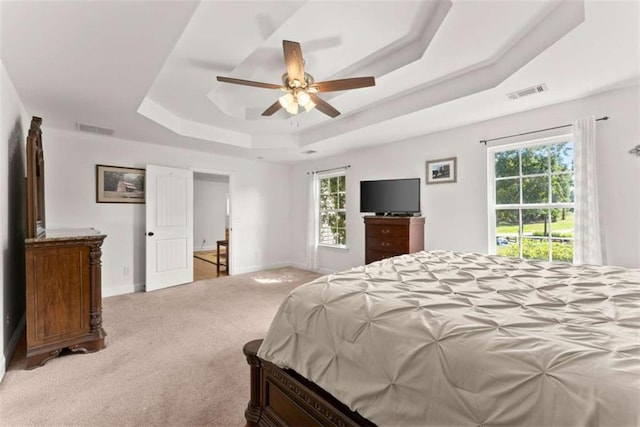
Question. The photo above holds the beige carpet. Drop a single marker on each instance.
(173, 357)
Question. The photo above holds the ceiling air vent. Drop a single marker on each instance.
(528, 91)
(309, 152)
(94, 129)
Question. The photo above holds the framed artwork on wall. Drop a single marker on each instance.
(442, 171)
(115, 184)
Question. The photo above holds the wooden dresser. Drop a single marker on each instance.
(390, 236)
(64, 295)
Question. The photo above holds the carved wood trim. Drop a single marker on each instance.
(95, 252)
(95, 266)
(35, 180)
(253, 413)
(305, 395)
(42, 359)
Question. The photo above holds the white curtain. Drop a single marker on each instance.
(313, 225)
(588, 245)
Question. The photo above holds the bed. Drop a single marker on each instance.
(448, 338)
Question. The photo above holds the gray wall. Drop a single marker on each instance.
(12, 217)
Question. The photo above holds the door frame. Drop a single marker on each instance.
(232, 253)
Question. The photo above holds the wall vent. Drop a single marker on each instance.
(94, 129)
(528, 91)
(309, 152)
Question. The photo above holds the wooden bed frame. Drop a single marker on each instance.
(282, 397)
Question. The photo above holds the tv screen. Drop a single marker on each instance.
(390, 196)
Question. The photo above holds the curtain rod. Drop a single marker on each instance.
(327, 170)
(484, 141)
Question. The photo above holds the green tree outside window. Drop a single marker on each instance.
(333, 214)
(534, 196)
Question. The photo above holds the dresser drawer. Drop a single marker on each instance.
(388, 244)
(386, 237)
(384, 231)
(372, 255)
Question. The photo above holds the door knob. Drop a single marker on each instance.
(150, 233)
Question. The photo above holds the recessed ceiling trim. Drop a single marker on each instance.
(155, 112)
(473, 79)
(405, 50)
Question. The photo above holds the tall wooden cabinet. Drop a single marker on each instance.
(63, 275)
(64, 294)
(386, 237)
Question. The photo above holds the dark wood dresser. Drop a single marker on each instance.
(64, 294)
(390, 236)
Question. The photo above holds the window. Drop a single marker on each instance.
(531, 199)
(333, 214)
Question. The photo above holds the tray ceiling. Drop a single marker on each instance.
(148, 69)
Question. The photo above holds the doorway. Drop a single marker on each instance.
(211, 225)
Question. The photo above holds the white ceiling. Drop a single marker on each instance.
(148, 69)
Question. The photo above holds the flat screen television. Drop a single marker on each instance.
(390, 196)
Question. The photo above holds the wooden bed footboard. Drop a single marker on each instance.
(281, 397)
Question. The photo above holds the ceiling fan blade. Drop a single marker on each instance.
(324, 106)
(272, 109)
(344, 84)
(248, 83)
(293, 60)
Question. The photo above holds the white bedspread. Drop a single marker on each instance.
(444, 338)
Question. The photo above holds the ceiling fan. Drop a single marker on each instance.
(300, 87)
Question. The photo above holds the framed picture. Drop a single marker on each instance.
(441, 171)
(115, 184)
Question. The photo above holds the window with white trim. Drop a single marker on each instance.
(332, 210)
(531, 199)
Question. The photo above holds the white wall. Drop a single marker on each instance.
(209, 211)
(260, 197)
(13, 132)
(456, 214)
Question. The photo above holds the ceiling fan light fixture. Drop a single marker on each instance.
(292, 108)
(309, 106)
(286, 100)
(300, 86)
(303, 98)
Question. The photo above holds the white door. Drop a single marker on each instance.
(169, 200)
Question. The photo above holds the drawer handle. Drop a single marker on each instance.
(385, 244)
(385, 231)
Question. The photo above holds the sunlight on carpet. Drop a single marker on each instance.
(270, 279)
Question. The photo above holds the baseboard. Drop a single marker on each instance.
(206, 248)
(112, 291)
(253, 269)
(11, 345)
(319, 270)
